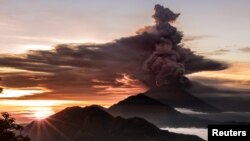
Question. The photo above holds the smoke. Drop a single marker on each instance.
(167, 63)
(164, 65)
(155, 49)
(164, 15)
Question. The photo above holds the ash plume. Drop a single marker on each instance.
(164, 15)
(153, 56)
(167, 63)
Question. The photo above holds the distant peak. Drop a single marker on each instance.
(89, 108)
(94, 108)
(73, 108)
(139, 99)
(81, 112)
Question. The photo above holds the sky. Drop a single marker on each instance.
(37, 84)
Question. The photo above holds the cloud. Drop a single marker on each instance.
(217, 52)
(168, 63)
(88, 69)
(244, 49)
(221, 51)
(227, 89)
(102, 61)
(188, 38)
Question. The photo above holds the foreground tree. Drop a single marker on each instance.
(9, 129)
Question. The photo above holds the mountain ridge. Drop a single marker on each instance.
(155, 112)
(178, 97)
(94, 124)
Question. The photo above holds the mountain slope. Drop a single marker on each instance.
(94, 124)
(178, 97)
(227, 99)
(154, 111)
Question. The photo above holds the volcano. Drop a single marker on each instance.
(154, 111)
(178, 97)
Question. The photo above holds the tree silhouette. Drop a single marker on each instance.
(8, 129)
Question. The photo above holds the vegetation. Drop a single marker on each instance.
(9, 130)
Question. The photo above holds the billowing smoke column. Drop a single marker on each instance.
(166, 64)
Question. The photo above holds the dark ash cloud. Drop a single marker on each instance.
(169, 61)
(164, 15)
(74, 67)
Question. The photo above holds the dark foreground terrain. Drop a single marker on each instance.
(94, 124)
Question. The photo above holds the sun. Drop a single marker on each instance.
(42, 114)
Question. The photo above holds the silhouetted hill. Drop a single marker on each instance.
(154, 111)
(176, 96)
(94, 124)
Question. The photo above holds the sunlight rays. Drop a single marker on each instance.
(27, 110)
(41, 113)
